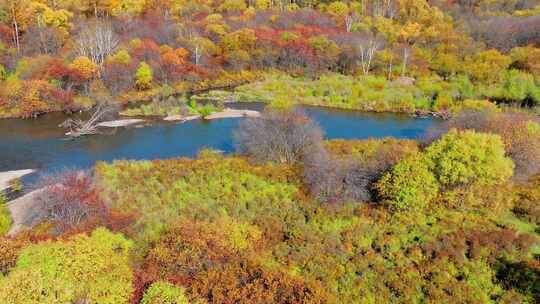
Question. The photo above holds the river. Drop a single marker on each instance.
(40, 144)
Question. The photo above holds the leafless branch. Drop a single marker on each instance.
(96, 42)
(80, 127)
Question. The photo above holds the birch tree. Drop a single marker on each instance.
(368, 48)
(97, 42)
(350, 20)
(20, 15)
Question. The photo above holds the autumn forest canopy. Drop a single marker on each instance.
(290, 216)
(394, 55)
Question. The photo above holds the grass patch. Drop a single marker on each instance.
(366, 93)
(5, 215)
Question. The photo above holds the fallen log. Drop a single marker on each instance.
(79, 127)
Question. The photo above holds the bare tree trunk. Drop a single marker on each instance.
(197, 55)
(390, 68)
(41, 38)
(377, 8)
(349, 22)
(367, 53)
(17, 43)
(15, 29)
(406, 53)
(97, 42)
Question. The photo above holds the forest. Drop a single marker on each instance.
(290, 216)
(293, 218)
(377, 55)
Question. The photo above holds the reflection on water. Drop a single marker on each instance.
(40, 144)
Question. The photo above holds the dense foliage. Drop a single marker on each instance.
(519, 132)
(229, 250)
(84, 268)
(410, 184)
(222, 229)
(459, 160)
(369, 93)
(427, 223)
(467, 157)
(397, 55)
(291, 218)
(164, 293)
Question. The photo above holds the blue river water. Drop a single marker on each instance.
(40, 144)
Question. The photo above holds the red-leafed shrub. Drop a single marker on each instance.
(64, 98)
(146, 50)
(478, 244)
(67, 76)
(70, 201)
(118, 77)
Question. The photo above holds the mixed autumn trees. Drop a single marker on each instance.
(85, 268)
(196, 44)
(292, 218)
(375, 220)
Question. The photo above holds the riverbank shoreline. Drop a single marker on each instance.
(165, 139)
(23, 210)
(119, 123)
(233, 113)
(181, 118)
(7, 177)
(225, 113)
(177, 117)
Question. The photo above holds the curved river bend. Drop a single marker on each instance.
(40, 144)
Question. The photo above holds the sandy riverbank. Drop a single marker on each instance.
(119, 123)
(233, 113)
(7, 176)
(181, 118)
(23, 211)
(226, 113)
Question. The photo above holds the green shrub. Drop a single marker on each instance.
(144, 76)
(204, 188)
(475, 105)
(5, 219)
(464, 157)
(206, 110)
(516, 87)
(366, 93)
(161, 292)
(5, 216)
(85, 268)
(460, 158)
(410, 184)
(462, 87)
